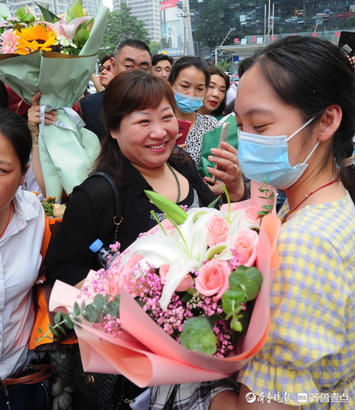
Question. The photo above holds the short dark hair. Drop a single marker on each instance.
(16, 130)
(189, 61)
(213, 70)
(161, 57)
(105, 58)
(311, 74)
(140, 45)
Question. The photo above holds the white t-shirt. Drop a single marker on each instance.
(20, 260)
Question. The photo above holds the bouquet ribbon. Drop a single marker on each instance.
(147, 355)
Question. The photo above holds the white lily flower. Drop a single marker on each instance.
(185, 248)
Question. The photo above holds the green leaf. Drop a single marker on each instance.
(249, 280)
(82, 33)
(92, 314)
(113, 308)
(61, 329)
(67, 321)
(47, 14)
(20, 12)
(231, 301)
(198, 335)
(4, 11)
(74, 11)
(57, 317)
(236, 324)
(24, 16)
(267, 207)
(53, 330)
(77, 309)
(172, 210)
(214, 202)
(99, 302)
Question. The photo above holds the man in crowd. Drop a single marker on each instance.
(129, 55)
(161, 65)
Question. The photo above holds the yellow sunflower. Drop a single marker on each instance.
(34, 38)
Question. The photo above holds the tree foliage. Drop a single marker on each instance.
(121, 24)
(155, 46)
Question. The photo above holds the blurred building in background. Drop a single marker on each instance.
(147, 11)
(176, 32)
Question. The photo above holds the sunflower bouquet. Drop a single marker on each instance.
(55, 56)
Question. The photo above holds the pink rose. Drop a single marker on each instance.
(119, 278)
(213, 278)
(243, 246)
(185, 284)
(217, 230)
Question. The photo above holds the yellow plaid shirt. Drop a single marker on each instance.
(309, 357)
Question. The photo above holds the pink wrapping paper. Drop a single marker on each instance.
(148, 356)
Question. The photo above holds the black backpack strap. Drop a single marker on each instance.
(117, 218)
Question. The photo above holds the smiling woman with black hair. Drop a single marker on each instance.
(138, 154)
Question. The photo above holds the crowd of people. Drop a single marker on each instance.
(295, 112)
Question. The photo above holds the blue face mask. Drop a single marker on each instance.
(187, 103)
(264, 157)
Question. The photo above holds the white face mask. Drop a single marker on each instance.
(265, 157)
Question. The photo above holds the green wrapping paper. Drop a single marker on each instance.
(211, 140)
(21, 73)
(67, 150)
(66, 168)
(63, 79)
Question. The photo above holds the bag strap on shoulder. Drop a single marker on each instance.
(117, 218)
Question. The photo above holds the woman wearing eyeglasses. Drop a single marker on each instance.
(106, 73)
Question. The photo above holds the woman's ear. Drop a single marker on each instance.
(114, 134)
(329, 122)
